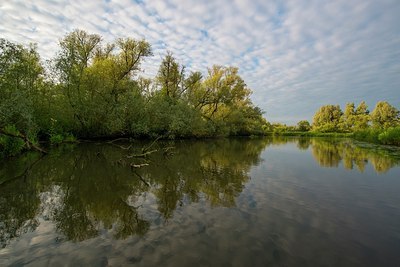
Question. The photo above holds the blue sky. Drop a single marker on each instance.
(295, 55)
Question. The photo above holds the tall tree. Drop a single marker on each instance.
(95, 78)
(327, 118)
(303, 126)
(171, 77)
(385, 115)
(348, 118)
(20, 78)
(362, 117)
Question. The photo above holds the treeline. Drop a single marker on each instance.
(382, 125)
(92, 90)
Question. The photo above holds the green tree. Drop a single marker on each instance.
(97, 80)
(385, 115)
(327, 118)
(171, 77)
(222, 93)
(362, 117)
(348, 118)
(303, 126)
(20, 80)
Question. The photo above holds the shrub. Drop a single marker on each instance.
(56, 139)
(10, 146)
(391, 136)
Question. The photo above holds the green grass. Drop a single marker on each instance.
(311, 134)
(389, 136)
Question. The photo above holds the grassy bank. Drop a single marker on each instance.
(389, 136)
(310, 134)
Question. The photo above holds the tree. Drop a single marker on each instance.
(327, 118)
(91, 90)
(348, 118)
(171, 77)
(385, 115)
(303, 126)
(362, 117)
(96, 80)
(20, 79)
(77, 50)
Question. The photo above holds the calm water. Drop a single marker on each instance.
(229, 202)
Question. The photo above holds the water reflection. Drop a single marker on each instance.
(256, 200)
(330, 153)
(86, 189)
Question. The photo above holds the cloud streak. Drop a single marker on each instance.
(295, 55)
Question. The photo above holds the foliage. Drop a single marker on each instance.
(361, 117)
(303, 126)
(327, 119)
(379, 126)
(390, 136)
(385, 115)
(10, 146)
(20, 80)
(91, 89)
(56, 139)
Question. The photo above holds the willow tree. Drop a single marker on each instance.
(385, 115)
(20, 81)
(223, 99)
(327, 118)
(362, 117)
(171, 77)
(96, 79)
(348, 118)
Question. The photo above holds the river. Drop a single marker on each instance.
(224, 202)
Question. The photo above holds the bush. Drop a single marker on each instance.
(368, 135)
(56, 139)
(391, 136)
(69, 138)
(10, 146)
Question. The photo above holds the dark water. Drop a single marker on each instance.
(229, 202)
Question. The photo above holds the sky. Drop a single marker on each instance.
(295, 55)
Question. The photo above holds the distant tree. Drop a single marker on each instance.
(385, 115)
(303, 126)
(362, 117)
(267, 127)
(279, 127)
(327, 118)
(347, 120)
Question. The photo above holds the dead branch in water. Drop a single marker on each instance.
(141, 178)
(143, 155)
(28, 143)
(112, 142)
(167, 151)
(144, 149)
(138, 165)
(118, 139)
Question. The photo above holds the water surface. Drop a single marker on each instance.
(227, 202)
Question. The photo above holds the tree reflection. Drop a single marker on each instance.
(85, 189)
(329, 153)
(19, 199)
(90, 189)
(217, 170)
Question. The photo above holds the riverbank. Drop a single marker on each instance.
(389, 136)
